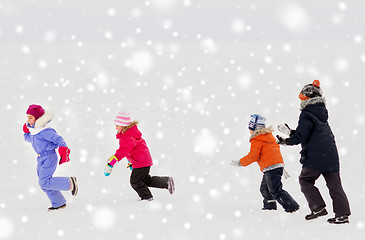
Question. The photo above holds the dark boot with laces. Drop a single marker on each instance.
(321, 211)
(339, 220)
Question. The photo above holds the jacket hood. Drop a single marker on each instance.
(263, 134)
(316, 106)
(131, 130)
(42, 123)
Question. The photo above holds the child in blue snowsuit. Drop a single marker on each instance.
(44, 141)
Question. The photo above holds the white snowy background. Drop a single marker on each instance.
(192, 72)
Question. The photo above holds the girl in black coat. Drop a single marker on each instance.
(319, 155)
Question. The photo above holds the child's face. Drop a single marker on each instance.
(31, 119)
(119, 128)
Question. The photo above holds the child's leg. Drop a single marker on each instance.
(269, 201)
(52, 185)
(341, 204)
(273, 180)
(138, 182)
(307, 179)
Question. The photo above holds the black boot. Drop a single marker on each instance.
(57, 208)
(339, 220)
(316, 213)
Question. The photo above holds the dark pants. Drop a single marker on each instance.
(141, 180)
(272, 189)
(340, 202)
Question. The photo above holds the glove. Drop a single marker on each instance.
(25, 128)
(129, 165)
(281, 140)
(285, 129)
(110, 164)
(64, 154)
(108, 170)
(235, 163)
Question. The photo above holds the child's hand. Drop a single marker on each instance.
(110, 164)
(108, 170)
(112, 160)
(64, 154)
(235, 163)
(25, 128)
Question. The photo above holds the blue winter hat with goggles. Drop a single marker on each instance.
(257, 122)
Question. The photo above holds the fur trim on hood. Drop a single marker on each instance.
(312, 101)
(261, 132)
(42, 123)
(129, 126)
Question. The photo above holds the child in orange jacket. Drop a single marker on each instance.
(266, 152)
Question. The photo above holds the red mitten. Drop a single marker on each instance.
(25, 128)
(65, 154)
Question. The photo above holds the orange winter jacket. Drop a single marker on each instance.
(264, 149)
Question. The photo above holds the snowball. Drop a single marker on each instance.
(104, 218)
(6, 227)
(295, 18)
(205, 143)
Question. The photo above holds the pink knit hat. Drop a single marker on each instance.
(123, 119)
(36, 110)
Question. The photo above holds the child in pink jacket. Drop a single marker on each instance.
(134, 148)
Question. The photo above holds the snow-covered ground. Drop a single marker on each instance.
(192, 73)
(193, 109)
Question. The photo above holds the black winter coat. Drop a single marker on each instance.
(319, 151)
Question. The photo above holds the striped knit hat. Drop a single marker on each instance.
(123, 119)
(257, 122)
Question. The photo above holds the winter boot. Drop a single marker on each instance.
(269, 205)
(339, 220)
(57, 208)
(292, 210)
(171, 185)
(321, 211)
(74, 187)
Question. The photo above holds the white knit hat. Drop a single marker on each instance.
(123, 119)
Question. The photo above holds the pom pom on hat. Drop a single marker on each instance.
(311, 90)
(123, 118)
(35, 110)
(257, 122)
(316, 83)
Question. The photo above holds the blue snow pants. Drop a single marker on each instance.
(272, 189)
(46, 165)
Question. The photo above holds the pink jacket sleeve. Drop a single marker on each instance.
(126, 144)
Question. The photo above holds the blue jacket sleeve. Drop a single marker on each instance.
(27, 137)
(52, 136)
(303, 130)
